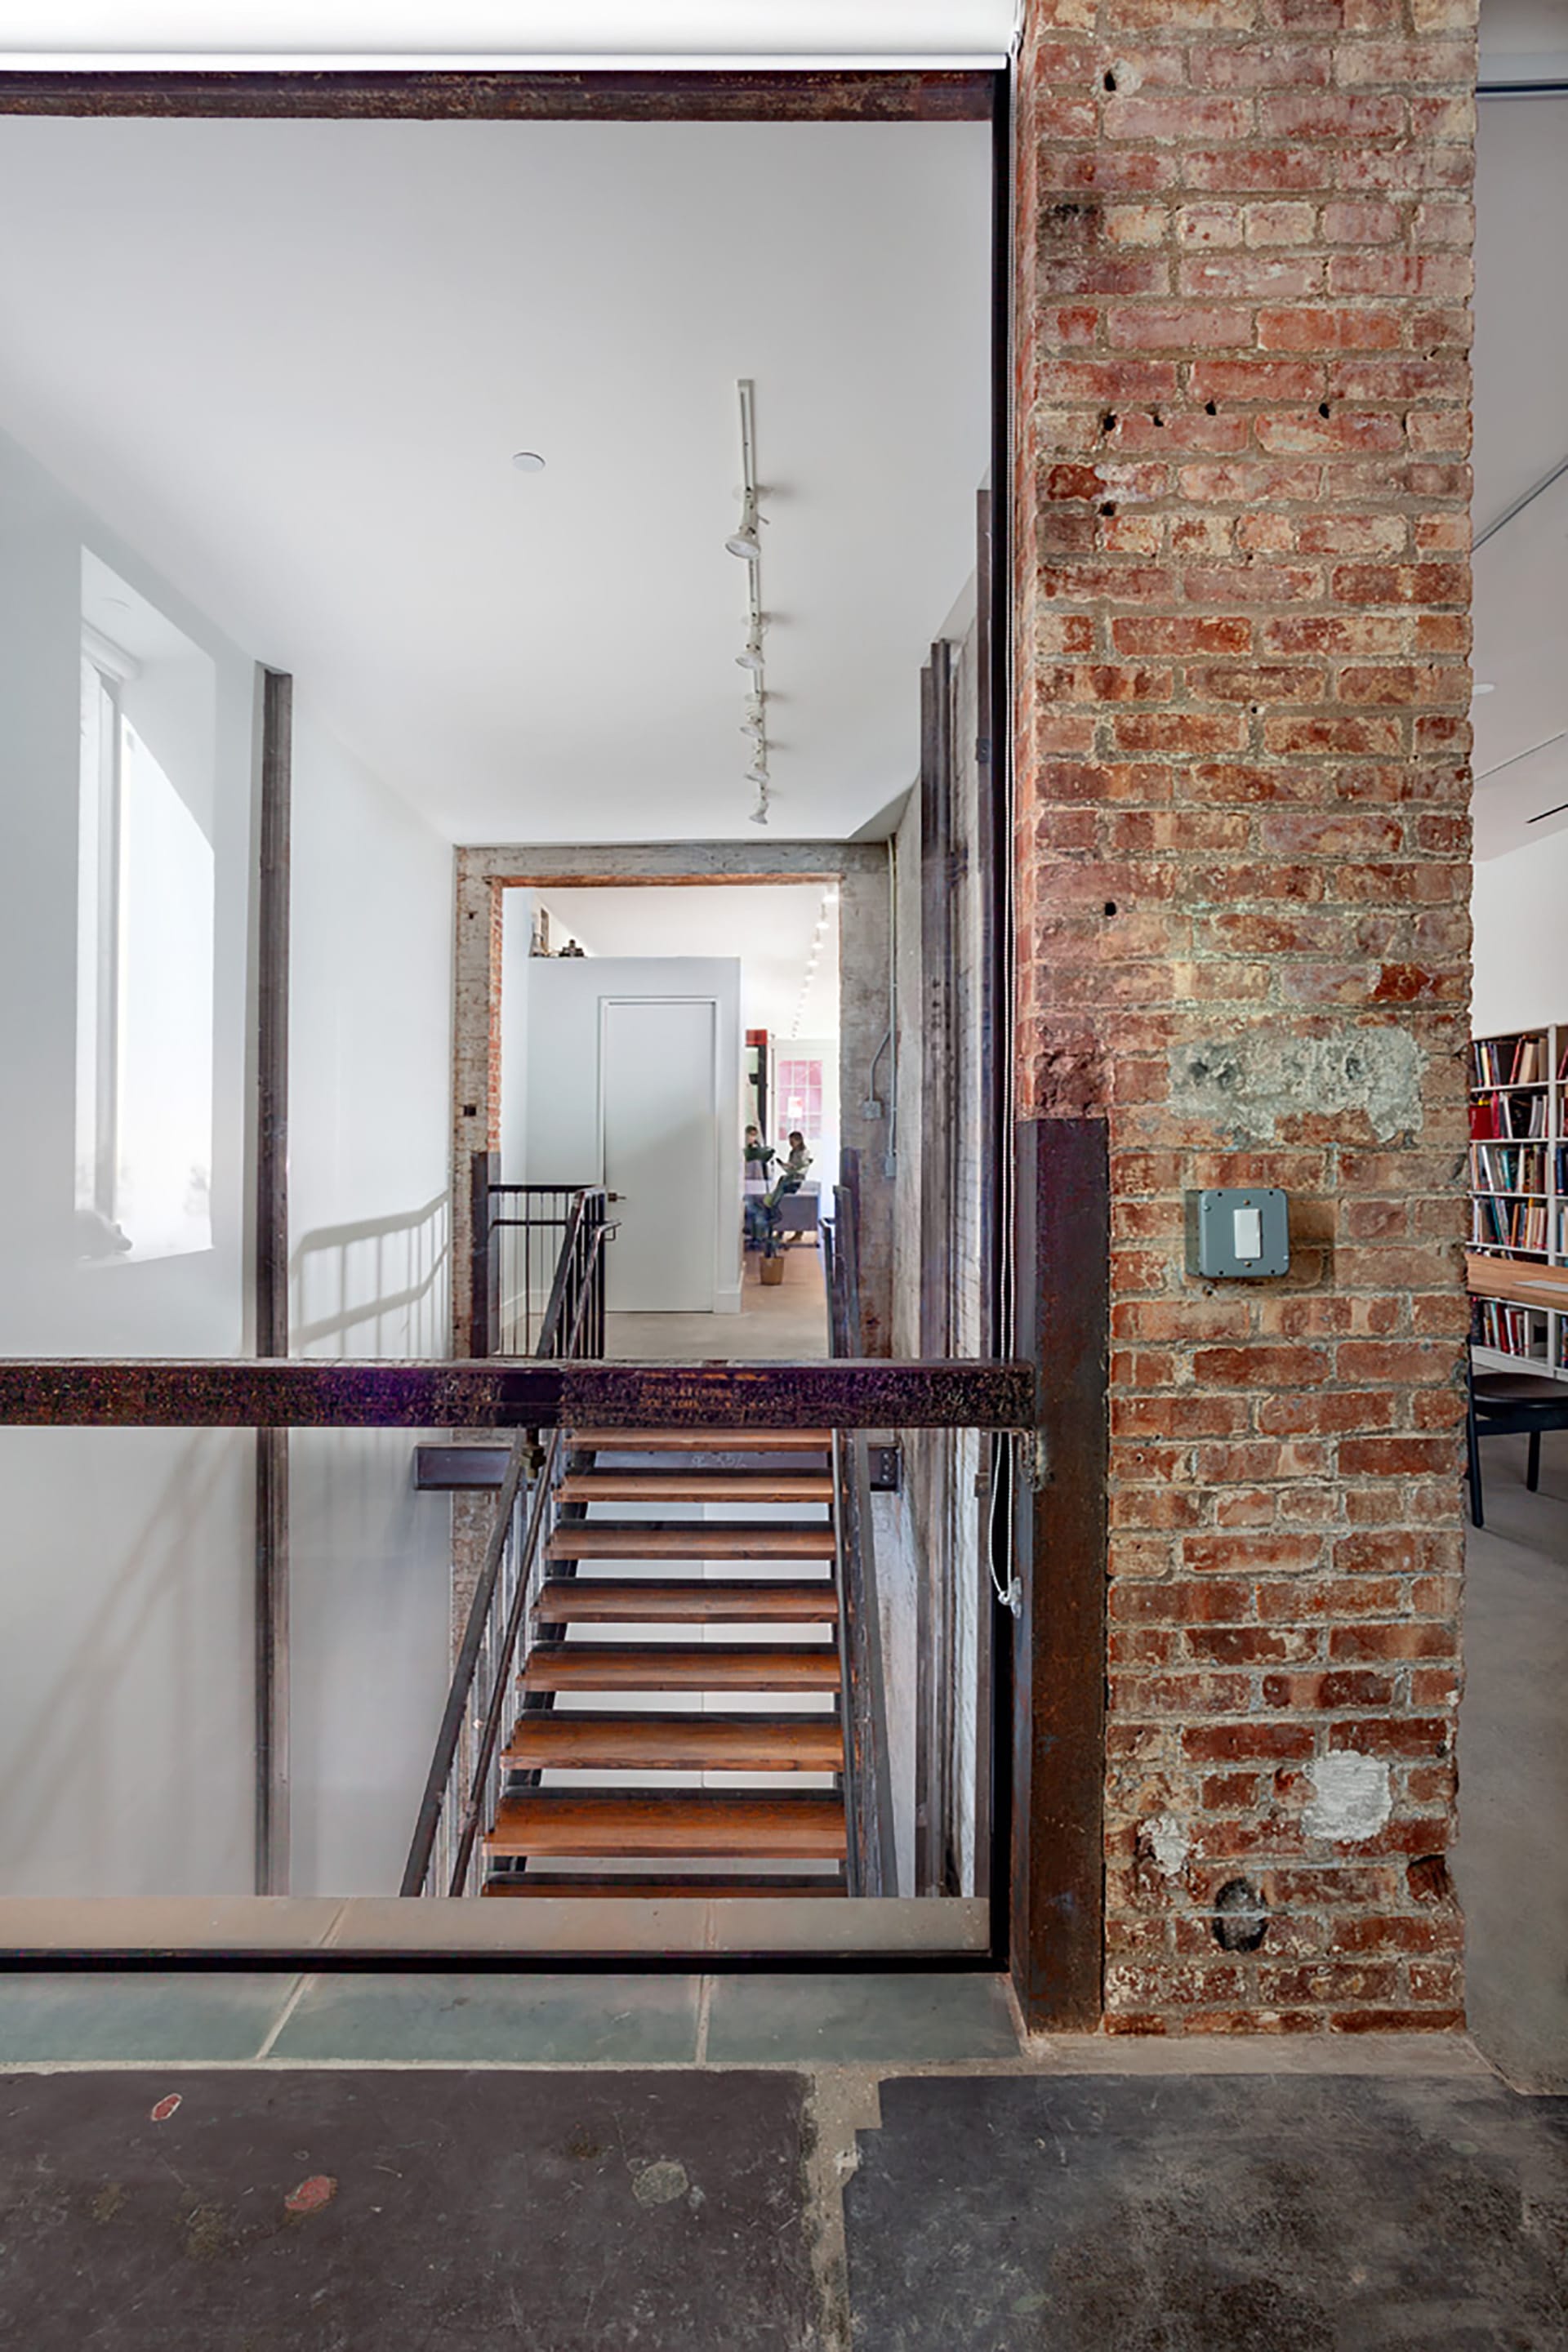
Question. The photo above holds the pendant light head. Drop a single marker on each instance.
(752, 658)
(746, 544)
(760, 813)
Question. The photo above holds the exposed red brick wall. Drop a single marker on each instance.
(1242, 525)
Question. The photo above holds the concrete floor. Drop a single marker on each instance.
(1511, 1865)
(1080, 2196)
(786, 1322)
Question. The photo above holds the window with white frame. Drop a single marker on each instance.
(145, 934)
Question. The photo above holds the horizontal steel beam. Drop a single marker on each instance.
(823, 94)
(277, 1393)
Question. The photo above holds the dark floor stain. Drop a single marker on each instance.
(362, 2211)
(1210, 2214)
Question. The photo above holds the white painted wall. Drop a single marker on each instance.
(370, 1078)
(562, 1143)
(553, 30)
(1520, 907)
(125, 1555)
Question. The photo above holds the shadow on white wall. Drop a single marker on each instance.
(380, 1287)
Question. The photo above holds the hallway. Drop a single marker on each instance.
(786, 1322)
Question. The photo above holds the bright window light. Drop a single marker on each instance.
(145, 934)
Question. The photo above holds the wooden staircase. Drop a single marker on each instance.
(680, 1728)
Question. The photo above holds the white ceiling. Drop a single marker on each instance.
(1522, 434)
(789, 984)
(883, 29)
(291, 364)
(1523, 40)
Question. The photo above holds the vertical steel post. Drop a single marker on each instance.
(271, 1285)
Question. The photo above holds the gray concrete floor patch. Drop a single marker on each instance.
(368, 2211)
(1201, 2214)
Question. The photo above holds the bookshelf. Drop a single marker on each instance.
(1518, 1201)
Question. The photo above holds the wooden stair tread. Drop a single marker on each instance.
(703, 1540)
(677, 1822)
(557, 1739)
(697, 1486)
(667, 1665)
(560, 1883)
(617, 1600)
(703, 1441)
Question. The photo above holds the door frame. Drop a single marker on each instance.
(1047, 1903)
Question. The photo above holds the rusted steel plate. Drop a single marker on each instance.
(955, 96)
(1063, 1198)
(252, 1393)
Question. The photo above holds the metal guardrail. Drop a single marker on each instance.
(463, 1785)
(868, 1784)
(534, 1247)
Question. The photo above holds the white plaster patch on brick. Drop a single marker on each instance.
(1352, 1798)
(1248, 1082)
(1168, 1844)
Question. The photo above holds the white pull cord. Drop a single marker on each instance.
(1011, 1595)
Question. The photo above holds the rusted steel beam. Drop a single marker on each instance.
(299, 1393)
(1060, 1652)
(954, 96)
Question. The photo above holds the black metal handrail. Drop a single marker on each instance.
(526, 1240)
(872, 1856)
(873, 1866)
(433, 1805)
(441, 1852)
(573, 1323)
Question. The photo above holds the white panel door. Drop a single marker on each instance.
(657, 1084)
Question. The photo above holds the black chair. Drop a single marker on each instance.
(1510, 1404)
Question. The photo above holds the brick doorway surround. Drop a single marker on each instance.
(1241, 531)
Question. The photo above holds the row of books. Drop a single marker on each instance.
(1509, 1224)
(1508, 1116)
(1509, 1061)
(1508, 1167)
(1513, 1330)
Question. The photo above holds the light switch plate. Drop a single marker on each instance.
(1238, 1233)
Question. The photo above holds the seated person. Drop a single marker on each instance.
(791, 1176)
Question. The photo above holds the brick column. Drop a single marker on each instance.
(1241, 509)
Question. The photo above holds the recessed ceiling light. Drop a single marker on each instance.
(528, 461)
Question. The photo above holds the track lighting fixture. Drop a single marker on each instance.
(747, 543)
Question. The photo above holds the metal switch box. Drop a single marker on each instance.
(1238, 1234)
